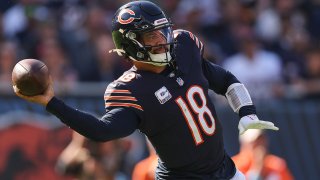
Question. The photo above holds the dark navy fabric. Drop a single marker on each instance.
(172, 109)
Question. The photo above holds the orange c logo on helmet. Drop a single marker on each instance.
(122, 21)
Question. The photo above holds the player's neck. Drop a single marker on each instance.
(149, 67)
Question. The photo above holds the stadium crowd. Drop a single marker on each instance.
(266, 43)
(272, 46)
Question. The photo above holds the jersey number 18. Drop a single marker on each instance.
(200, 110)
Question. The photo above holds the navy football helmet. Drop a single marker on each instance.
(128, 25)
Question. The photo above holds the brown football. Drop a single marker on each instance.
(30, 76)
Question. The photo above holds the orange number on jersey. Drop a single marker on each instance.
(127, 77)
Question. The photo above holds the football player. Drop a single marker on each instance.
(165, 96)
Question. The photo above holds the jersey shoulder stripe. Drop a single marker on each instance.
(195, 39)
(122, 91)
(120, 98)
(118, 104)
(130, 98)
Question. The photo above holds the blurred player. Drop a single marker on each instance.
(85, 159)
(146, 168)
(256, 162)
(165, 96)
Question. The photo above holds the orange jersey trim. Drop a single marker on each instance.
(197, 42)
(196, 39)
(125, 105)
(130, 98)
(117, 91)
(191, 35)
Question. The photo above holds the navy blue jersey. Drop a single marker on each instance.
(175, 111)
(172, 109)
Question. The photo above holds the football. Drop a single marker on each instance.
(30, 76)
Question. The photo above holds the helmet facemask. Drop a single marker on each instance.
(155, 46)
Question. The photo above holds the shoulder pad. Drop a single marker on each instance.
(126, 77)
(118, 95)
(189, 35)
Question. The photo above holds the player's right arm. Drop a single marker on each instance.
(116, 123)
(119, 121)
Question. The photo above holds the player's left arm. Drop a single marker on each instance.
(225, 83)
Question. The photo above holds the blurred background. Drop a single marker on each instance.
(272, 46)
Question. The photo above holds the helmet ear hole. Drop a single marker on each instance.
(140, 55)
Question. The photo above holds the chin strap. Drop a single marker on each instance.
(120, 52)
(160, 59)
(155, 59)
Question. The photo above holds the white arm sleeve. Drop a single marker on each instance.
(238, 96)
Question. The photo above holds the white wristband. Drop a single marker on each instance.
(238, 96)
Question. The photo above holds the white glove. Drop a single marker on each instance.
(253, 122)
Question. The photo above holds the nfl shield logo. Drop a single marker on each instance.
(180, 81)
(163, 95)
